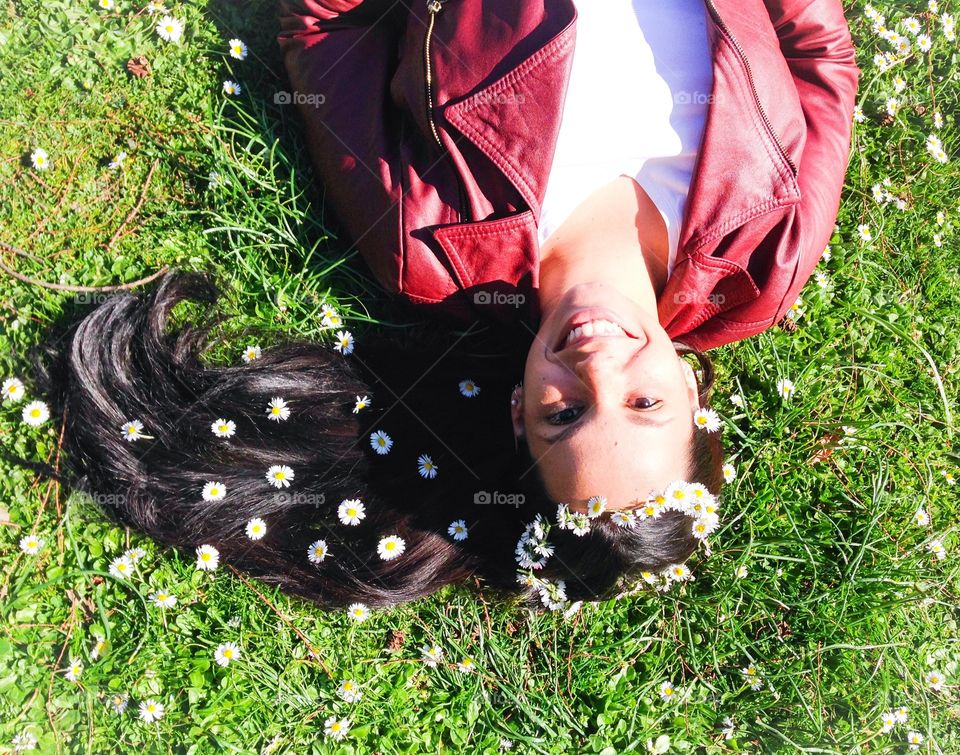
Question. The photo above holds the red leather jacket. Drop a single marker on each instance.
(433, 130)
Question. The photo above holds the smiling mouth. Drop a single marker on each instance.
(586, 326)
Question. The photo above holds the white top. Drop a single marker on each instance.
(636, 105)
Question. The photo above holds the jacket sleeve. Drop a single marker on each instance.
(816, 44)
(340, 56)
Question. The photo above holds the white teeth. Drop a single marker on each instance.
(594, 328)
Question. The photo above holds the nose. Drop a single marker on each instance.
(599, 367)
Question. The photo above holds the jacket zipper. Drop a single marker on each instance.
(753, 86)
(433, 8)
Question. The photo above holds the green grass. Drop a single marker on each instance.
(842, 608)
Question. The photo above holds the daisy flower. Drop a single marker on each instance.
(106, 4)
(752, 677)
(624, 518)
(921, 518)
(467, 665)
(170, 29)
(888, 721)
(912, 25)
(924, 42)
(256, 528)
(938, 119)
(667, 691)
(468, 388)
(381, 442)
(729, 473)
(150, 711)
(362, 403)
(238, 49)
(117, 161)
(336, 728)
(251, 352)
(31, 544)
(344, 342)
(677, 495)
(73, 671)
(118, 702)
(914, 739)
(226, 652)
(358, 612)
(426, 467)
(12, 390)
(25, 740)
(948, 477)
(390, 547)
(786, 388)
(579, 523)
(36, 413)
(40, 159)
(737, 400)
(821, 278)
(863, 231)
(121, 567)
(431, 654)
(728, 728)
(213, 491)
(892, 105)
(936, 548)
(155, 7)
(704, 526)
(827, 255)
(901, 714)
(163, 599)
(317, 551)
(133, 430)
(596, 505)
(208, 558)
(678, 572)
(329, 317)
(224, 428)
(277, 409)
(349, 691)
(231, 87)
(706, 419)
(858, 115)
(934, 680)
(280, 476)
(98, 647)
(741, 571)
(351, 511)
(134, 554)
(458, 530)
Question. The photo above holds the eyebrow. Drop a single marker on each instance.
(637, 419)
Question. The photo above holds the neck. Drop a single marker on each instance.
(616, 237)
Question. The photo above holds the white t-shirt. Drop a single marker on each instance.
(636, 105)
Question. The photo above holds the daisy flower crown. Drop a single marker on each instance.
(534, 549)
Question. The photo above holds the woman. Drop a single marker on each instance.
(624, 186)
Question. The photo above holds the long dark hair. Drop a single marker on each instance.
(123, 361)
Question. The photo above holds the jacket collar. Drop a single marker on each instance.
(735, 178)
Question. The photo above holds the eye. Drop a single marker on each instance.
(645, 403)
(565, 416)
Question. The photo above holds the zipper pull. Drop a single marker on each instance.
(435, 6)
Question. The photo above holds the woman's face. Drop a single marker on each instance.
(609, 411)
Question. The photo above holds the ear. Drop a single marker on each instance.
(516, 412)
(693, 391)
